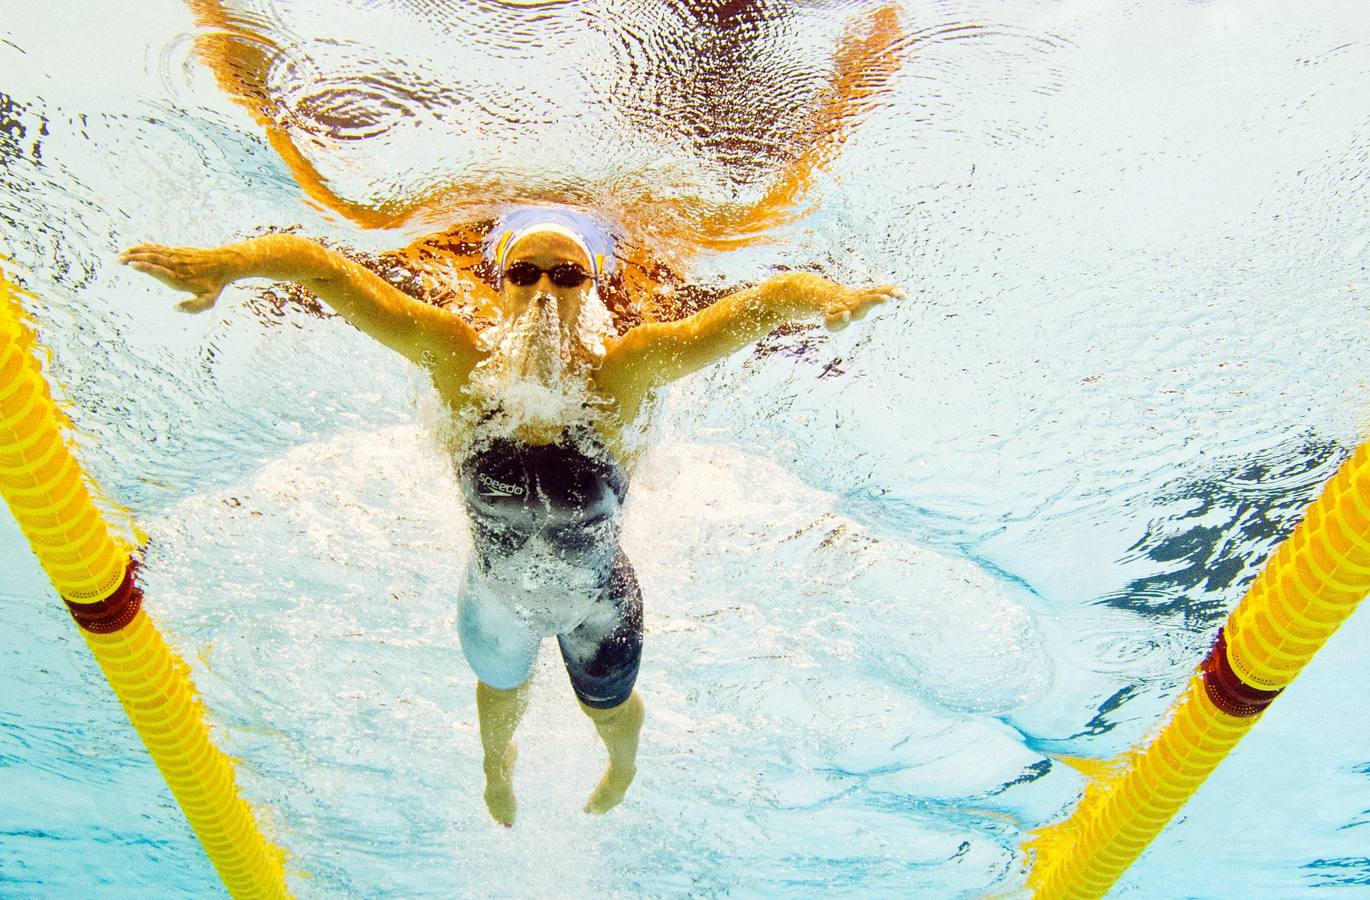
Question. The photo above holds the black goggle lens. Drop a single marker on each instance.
(564, 275)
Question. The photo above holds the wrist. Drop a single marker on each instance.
(795, 295)
(236, 261)
(278, 256)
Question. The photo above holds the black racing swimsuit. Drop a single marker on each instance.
(570, 500)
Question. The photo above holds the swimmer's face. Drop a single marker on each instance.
(546, 250)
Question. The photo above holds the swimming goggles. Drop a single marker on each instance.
(563, 275)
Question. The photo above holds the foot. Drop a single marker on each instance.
(611, 788)
(499, 788)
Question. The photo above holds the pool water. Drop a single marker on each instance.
(892, 574)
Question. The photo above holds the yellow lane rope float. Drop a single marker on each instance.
(92, 571)
(1306, 590)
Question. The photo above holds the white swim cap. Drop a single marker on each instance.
(589, 233)
(510, 238)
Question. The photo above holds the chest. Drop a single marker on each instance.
(557, 491)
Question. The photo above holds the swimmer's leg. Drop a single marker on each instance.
(500, 713)
(501, 650)
(602, 656)
(619, 728)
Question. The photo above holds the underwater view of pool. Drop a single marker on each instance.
(893, 574)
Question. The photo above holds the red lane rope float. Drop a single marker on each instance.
(115, 611)
(1226, 688)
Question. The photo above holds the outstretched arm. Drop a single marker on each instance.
(659, 352)
(427, 335)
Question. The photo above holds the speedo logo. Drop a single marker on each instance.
(492, 488)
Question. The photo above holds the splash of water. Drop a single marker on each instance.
(535, 380)
(548, 592)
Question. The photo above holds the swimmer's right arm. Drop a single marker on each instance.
(660, 352)
(426, 334)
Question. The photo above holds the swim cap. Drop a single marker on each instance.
(587, 234)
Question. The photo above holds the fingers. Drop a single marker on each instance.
(161, 273)
(138, 251)
(856, 303)
(182, 268)
(152, 259)
(188, 258)
(156, 254)
(881, 294)
(839, 320)
(868, 297)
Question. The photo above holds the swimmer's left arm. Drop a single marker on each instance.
(432, 337)
(660, 352)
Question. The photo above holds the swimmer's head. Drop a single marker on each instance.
(541, 262)
(547, 264)
(550, 333)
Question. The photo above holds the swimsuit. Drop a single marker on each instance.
(545, 520)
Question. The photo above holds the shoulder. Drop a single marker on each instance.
(630, 358)
(627, 373)
(450, 366)
(640, 345)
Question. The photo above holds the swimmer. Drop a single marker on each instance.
(543, 403)
(549, 401)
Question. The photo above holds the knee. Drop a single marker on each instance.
(486, 687)
(630, 707)
(502, 675)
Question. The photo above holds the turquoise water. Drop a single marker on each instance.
(889, 573)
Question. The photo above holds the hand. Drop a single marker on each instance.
(839, 306)
(203, 273)
(843, 305)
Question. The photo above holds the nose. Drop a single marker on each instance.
(543, 283)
